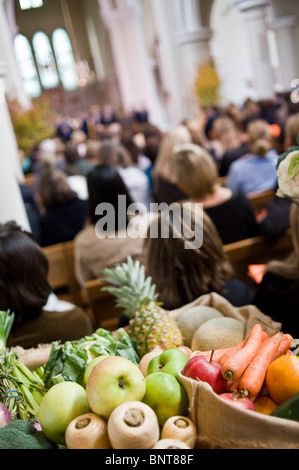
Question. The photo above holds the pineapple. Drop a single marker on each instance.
(150, 324)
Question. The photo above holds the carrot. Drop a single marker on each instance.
(284, 346)
(264, 335)
(253, 378)
(229, 351)
(236, 364)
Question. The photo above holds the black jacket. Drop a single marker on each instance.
(62, 222)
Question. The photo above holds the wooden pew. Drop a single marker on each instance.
(61, 270)
(260, 198)
(257, 250)
(102, 304)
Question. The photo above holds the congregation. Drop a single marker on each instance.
(215, 161)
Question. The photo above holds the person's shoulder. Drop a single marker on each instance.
(242, 161)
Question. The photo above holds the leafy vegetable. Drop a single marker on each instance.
(21, 390)
(20, 434)
(293, 166)
(68, 362)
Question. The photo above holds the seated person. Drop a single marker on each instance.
(164, 186)
(63, 214)
(40, 317)
(191, 262)
(278, 293)
(196, 175)
(256, 171)
(105, 240)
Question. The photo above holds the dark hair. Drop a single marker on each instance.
(24, 286)
(53, 188)
(71, 153)
(104, 186)
(181, 275)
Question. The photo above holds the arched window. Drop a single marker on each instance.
(45, 60)
(65, 59)
(26, 4)
(28, 71)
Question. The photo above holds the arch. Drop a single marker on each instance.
(45, 60)
(27, 66)
(65, 59)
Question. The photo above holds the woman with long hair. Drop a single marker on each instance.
(190, 260)
(40, 317)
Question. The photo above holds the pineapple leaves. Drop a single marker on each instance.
(130, 286)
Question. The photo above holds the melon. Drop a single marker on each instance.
(218, 333)
(190, 320)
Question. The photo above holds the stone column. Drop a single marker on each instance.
(166, 13)
(11, 201)
(286, 39)
(254, 14)
(123, 19)
(194, 43)
(14, 82)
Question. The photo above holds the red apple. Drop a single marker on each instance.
(202, 369)
(243, 402)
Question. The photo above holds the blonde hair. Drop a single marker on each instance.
(175, 136)
(193, 272)
(289, 268)
(195, 170)
(260, 138)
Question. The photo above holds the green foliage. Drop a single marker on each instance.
(207, 85)
(31, 126)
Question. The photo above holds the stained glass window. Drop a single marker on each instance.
(45, 60)
(65, 59)
(28, 70)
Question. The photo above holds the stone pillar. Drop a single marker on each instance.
(194, 44)
(14, 82)
(171, 73)
(254, 14)
(11, 201)
(286, 39)
(123, 19)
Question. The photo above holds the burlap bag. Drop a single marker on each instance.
(248, 314)
(33, 357)
(220, 424)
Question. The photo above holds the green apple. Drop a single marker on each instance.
(170, 361)
(91, 365)
(165, 395)
(61, 404)
(112, 382)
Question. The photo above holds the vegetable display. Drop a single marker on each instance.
(69, 361)
(21, 390)
(99, 393)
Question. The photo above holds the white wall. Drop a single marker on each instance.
(230, 50)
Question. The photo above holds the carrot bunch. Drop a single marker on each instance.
(245, 365)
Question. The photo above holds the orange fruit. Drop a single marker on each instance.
(264, 404)
(282, 378)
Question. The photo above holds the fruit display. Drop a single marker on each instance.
(124, 389)
(192, 318)
(217, 333)
(150, 324)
